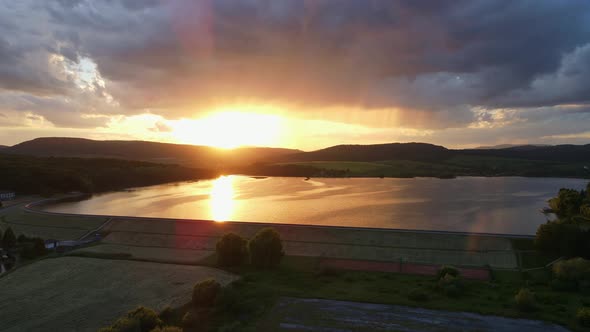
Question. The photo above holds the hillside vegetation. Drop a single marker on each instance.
(47, 175)
(182, 154)
(461, 165)
(378, 160)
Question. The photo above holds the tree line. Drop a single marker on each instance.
(48, 175)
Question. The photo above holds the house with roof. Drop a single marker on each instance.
(7, 195)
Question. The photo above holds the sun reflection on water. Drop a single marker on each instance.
(221, 198)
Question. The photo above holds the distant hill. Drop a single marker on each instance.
(388, 160)
(3, 147)
(190, 155)
(506, 146)
(375, 152)
(557, 153)
(435, 153)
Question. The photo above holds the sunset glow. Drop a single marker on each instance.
(229, 130)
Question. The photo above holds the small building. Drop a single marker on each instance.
(6, 195)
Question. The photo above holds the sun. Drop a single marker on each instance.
(229, 129)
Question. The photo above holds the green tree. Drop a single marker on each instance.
(39, 247)
(266, 248)
(9, 239)
(563, 238)
(231, 250)
(567, 203)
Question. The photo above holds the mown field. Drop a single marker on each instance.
(84, 294)
(183, 241)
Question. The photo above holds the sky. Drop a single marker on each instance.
(301, 74)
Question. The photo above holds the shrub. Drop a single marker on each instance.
(235, 326)
(525, 300)
(126, 324)
(266, 248)
(167, 329)
(9, 239)
(148, 319)
(205, 293)
(107, 329)
(562, 238)
(231, 302)
(167, 315)
(27, 251)
(447, 269)
(39, 247)
(563, 285)
(584, 286)
(418, 295)
(231, 250)
(575, 269)
(450, 285)
(189, 320)
(583, 316)
(326, 271)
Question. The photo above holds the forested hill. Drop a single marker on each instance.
(47, 175)
(560, 153)
(375, 152)
(188, 155)
(426, 160)
(434, 153)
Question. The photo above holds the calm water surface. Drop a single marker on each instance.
(491, 205)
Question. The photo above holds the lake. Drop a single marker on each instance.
(507, 205)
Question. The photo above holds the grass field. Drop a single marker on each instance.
(84, 294)
(258, 291)
(48, 226)
(152, 254)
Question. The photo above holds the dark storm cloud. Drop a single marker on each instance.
(442, 58)
(319, 53)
